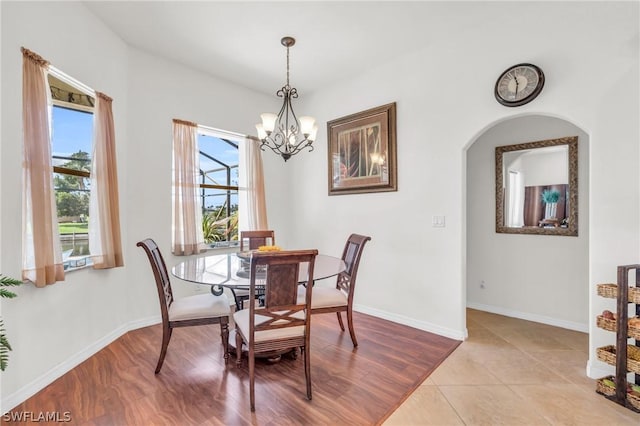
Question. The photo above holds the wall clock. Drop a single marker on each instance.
(519, 85)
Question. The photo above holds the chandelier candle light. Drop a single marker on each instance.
(284, 133)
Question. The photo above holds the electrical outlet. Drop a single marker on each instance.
(482, 284)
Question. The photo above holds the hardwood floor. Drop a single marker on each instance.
(360, 386)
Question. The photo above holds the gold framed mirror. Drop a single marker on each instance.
(537, 187)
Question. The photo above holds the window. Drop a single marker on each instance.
(42, 258)
(515, 199)
(71, 148)
(219, 175)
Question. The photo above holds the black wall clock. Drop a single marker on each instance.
(519, 85)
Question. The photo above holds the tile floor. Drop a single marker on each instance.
(512, 372)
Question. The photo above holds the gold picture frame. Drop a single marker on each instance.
(362, 152)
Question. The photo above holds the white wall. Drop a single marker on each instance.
(47, 327)
(54, 328)
(537, 277)
(546, 167)
(410, 272)
(159, 91)
(414, 273)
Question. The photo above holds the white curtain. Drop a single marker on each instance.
(187, 235)
(42, 252)
(515, 199)
(256, 205)
(105, 243)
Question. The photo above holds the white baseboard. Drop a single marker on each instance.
(420, 325)
(144, 322)
(30, 389)
(595, 370)
(576, 326)
(598, 369)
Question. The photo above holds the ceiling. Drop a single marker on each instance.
(240, 41)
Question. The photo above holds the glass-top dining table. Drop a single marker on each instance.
(231, 270)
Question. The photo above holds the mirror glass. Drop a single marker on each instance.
(537, 187)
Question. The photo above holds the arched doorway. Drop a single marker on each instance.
(540, 278)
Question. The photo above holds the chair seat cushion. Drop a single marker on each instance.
(323, 297)
(199, 306)
(241, 319)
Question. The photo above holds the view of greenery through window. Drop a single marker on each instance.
(71, 139)
(218, 188)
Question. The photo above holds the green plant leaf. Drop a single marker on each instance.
(7, 294)
(4, 359)
(550, 196)
(5, 347)
(4, 342)
(218, 228)
(8, 281)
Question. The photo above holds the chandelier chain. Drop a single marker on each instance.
(287, 66)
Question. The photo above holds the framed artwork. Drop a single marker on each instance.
(362, 152)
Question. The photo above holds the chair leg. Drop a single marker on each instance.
(340, 321)
(238, 348)
(352, 331)
(224, 334)
(307, 370)
(166, 336)
(252, 390)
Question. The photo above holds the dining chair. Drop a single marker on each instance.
(284, 321)
(340, 298)
(252, 240)
(200, 309)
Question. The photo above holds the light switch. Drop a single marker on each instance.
(437, 221)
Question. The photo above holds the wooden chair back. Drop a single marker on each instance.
(255, 239)
(278, 272)
(165, 294)
(351, 256)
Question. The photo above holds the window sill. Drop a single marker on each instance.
(223, 245)
(221, 249)
(75, 263)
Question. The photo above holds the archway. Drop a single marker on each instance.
(540, 278)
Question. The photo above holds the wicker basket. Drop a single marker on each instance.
(610, 325)
(633, 402)
(608, 354)
(611, 291)
(608, 290)
(603, 389)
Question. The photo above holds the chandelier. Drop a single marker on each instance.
(284, 133)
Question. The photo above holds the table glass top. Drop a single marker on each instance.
(230, 270)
